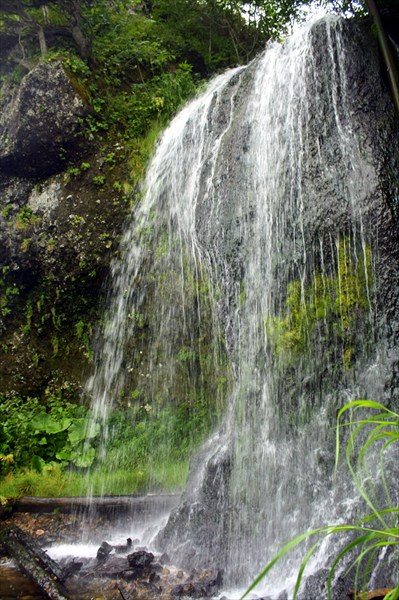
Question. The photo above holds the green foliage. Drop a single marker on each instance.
(127, 43)
(83, 333)
(131, 112)
(99, 180)
(328, 308)
(25, 218)
(63, 316)
(376, 530)
(37, 435)
(218, 33)
(55, 481)
(348, 7)
(51, 481)
(146, 435)
(146, 448)
(8, 291)
(73, 64)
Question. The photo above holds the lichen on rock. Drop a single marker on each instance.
(41, 122)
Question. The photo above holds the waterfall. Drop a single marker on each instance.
(251, 273)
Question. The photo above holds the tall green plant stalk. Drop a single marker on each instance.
(386, 49)
(375, 531)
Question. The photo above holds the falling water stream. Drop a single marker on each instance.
(255, 240)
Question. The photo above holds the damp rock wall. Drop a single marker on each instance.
(337, 188)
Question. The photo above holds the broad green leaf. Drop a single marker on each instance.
(77, 431)
(37, 463)
(85, 459)
(93, 429)
(45, 422)
(82, 429)
(64, 455)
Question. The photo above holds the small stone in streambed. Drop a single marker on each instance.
(140, 559)
(164, 559)
(121, 549)
(199, 585)
(71, 568)
(104, 550)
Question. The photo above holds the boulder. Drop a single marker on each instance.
(140, 563)
(315, 587)
(199, 585)
(104, 551)
(41, 122)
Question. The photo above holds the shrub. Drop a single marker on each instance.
(35, 435)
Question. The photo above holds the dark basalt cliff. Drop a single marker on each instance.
(199, 531)
(62, 204)
(41, 122)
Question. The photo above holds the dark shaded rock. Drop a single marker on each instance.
(154, 577)
(41, 122)
(381, 575)
(6, 508)
(198, 530)
(199, 585)
(315, 587)
(56, 241)
(129, 574)
(201, 509)
(104, 550)
(140, 560)
(120, 549)
(385, 571)
(71, 568)
(164, 559)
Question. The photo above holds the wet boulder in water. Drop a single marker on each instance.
(122, 548)
(200, 585)
(140, 562)
(315, 587)
(104, 551)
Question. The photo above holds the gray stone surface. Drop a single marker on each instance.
(41, 122)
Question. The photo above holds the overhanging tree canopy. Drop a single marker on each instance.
(214, 30)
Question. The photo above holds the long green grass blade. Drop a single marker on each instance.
(393, 594)
(303, 566)
(369, 536)
(284, 550)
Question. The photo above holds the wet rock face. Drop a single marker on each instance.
(198, 523)
(59, 223)
(41, 122)
(197, 530)
(56, 241)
